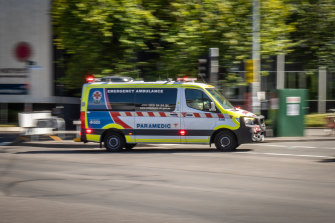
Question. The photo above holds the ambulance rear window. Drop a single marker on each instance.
(111, 99)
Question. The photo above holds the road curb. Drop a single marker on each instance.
(11, 129)
(302, 139)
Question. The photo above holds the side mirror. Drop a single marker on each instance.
(213, 108)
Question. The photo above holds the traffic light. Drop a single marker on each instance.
(203, 69)
(249, 70)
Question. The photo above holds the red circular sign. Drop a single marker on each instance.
(22, 51)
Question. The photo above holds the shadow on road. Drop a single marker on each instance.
(135, 151)
(327, 160)
(60, 145)
(179, 150)
(63, 152)
(94, 149)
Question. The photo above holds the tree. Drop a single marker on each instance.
(101, 36)
(276, 27)
(200, 25)
(315, 33)
(159, 38)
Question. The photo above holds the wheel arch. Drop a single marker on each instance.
(221, 130)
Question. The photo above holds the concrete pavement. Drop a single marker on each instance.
(311, 134)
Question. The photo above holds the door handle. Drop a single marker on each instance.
(189, 115)
(173, 114)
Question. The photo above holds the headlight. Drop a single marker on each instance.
(249, 121)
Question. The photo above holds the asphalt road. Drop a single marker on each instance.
(74, 182)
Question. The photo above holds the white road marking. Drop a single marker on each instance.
(281, 146)
(328, 148)
(287, 154)
(298, 147)
(304, 147)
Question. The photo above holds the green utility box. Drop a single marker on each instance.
(288, 112)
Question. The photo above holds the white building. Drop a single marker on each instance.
(26, 55)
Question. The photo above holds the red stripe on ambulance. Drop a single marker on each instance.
(197, 115)
(162, 114)
(167, 114)
(208, 115)
(220, 115)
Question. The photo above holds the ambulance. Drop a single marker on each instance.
(120, 115)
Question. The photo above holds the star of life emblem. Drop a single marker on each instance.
(97, 97)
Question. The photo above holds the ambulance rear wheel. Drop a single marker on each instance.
(225, 141)
(114, 142)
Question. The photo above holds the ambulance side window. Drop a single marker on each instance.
(155, 99)
(120, 99)
(197, 99)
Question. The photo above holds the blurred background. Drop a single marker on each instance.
(246, 48)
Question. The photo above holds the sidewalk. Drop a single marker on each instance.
(12, 135)
(311, 134)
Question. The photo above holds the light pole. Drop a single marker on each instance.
(256, 56)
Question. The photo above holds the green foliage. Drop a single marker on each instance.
(275, 27)
(315, 33)
(315, 120)
(101, 35)
(157, 38)
(311, 120)
(231, 80)
(200, 25)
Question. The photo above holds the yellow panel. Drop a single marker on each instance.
(228, 126)
(130, 140)
(113, 126)
(95, 138)
(197, 141)
(159, 140)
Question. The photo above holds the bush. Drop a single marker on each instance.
(315, 120)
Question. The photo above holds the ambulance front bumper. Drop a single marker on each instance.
(251, 129)
(257, 129)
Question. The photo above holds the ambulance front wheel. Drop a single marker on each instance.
(114, 142)
(225, 141)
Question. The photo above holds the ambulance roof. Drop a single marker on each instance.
(152, 84)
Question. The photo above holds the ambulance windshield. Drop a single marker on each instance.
(220, 98)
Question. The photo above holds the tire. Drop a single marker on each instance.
(129, 146)
(225, 141)
(114, 142)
